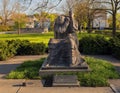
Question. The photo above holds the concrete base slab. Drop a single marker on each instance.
(64, 90)
(35, 86)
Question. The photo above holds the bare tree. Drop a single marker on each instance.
(90, 11)
(84, 11)
(80, 12)
(69, 5)
(21, 7)
(46, 5)
(112, 7)
(7, 8)
(10, 6)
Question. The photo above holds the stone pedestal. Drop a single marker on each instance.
(53, 70)
(65, 81)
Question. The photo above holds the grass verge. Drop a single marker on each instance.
(27, 70)
(101, 71)
(98, 77)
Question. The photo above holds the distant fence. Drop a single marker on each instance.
(25, 30)
(31, 30)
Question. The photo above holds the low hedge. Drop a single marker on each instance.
(115, 46)
(11, 48)
(94, 45)
(6, 50)
(31, 49)
(100, 45)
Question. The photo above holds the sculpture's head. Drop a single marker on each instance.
(61, 25)
(60, 19)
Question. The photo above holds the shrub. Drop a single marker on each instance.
(16, 75)
(38, 49)
(7, 50)
(11, 48)
(3, 50)
(94, 45)
(115, 46)
(27, 48)
(23, 47)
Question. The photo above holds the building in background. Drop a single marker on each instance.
(31, 21)
(100, 20)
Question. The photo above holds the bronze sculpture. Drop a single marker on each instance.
(63, 49)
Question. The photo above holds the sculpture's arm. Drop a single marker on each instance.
(73, 23)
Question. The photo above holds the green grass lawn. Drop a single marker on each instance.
(37, 37)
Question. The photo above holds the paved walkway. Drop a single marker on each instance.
(14, 86)
(35, 86)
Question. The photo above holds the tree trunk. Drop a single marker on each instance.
(79, 27)
(114, 24)
(89, 25)
(5, 20)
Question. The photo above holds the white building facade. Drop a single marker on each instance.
(100, 19)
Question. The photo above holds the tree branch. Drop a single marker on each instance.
(45, 5)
